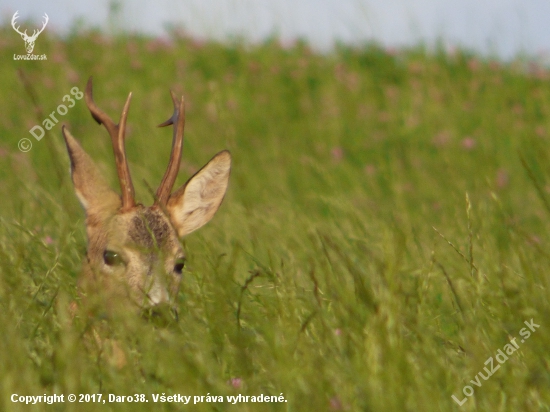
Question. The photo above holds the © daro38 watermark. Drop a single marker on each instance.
(501, 357)
(29, 40)
(49, 122)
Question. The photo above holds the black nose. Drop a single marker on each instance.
(162, 314)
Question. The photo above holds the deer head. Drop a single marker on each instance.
(134, 251)
(29, 40)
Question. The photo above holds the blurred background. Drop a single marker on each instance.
(387, 224)
(503, 28)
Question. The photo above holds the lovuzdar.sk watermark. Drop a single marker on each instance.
(501, 357)
(29, 39)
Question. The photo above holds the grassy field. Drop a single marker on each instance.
(385, 232)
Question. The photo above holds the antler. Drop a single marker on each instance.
(169, 178)
(117, 133)
(13, 19)
(35, 33)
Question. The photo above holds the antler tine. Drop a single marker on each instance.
(13, 22)
(169, 178)
(37, 32)
(117, 133)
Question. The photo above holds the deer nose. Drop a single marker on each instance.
(156, 288)
(157, 295)
(162, 314)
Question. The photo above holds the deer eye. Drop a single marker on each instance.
(178, 266)
(111, 258)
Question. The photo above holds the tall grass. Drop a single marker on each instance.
(385, 230)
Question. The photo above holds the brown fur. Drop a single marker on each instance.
(147, 239)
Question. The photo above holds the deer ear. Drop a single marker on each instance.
(196, 202)
(93, 192)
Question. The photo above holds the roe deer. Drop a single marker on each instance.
(134, 252)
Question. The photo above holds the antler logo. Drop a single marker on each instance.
(29, 40)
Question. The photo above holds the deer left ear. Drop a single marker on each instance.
(196, 202)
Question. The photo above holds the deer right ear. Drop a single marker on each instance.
(196, 202)
(93, 192)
